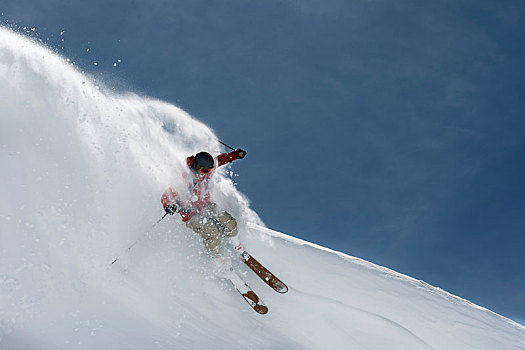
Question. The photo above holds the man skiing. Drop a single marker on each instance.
(202, 215)
(198, 210)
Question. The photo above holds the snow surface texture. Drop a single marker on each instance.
(82, 171)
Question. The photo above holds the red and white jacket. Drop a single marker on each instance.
(198, 187)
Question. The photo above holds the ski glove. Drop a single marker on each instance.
(240, 153)
(171, 209)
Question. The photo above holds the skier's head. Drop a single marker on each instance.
(203, 163)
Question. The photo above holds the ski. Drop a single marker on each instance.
(261, 271)
(247, 293)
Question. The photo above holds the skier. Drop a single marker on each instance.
(198, 210)
(203, 216)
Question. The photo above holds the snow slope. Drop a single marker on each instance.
(82, 170)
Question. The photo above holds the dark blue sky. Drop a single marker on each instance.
(392, 131)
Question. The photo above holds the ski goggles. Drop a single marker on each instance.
(205, 170)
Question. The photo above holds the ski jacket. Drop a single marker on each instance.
(198, 188)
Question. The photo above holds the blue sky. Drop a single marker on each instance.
(392, 131)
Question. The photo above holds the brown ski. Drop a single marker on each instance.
(263, 273)
(247, 293)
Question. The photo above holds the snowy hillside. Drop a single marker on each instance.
(82, 171)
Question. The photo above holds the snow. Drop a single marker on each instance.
(82, 173)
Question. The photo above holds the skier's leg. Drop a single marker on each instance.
(230, 230)
(209, 231)
(222, 266)
(228, 223)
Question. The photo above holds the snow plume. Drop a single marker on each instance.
(82, 171)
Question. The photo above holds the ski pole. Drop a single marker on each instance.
(141, 237)
(222, 143)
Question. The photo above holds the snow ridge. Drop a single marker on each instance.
(383, 270)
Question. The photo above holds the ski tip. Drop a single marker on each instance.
(261, 309)
(279, 287)
(283, 290)
(256, 303)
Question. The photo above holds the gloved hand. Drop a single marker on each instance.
(171, 208)
(240, 153)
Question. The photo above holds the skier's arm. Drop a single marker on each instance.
(169, 201)
(225, 158)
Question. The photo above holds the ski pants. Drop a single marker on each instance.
(212, 227)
